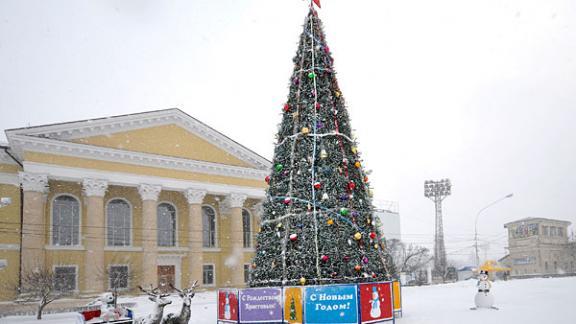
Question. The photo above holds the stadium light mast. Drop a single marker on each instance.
(437, 191)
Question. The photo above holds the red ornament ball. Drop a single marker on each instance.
(317, 185)
(267, 179)
(317, 105)
(286, 107)
(287, 200)
(324, 258)
(293, 237)
(351, 185)
(358, 267)
(372, 235)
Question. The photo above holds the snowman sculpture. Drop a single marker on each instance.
(375, 310)
(483, 298)
(107, 310)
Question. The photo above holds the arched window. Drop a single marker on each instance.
(166, 222)
(246, 228)
(208, 227)
(65, 221)
(119, 223)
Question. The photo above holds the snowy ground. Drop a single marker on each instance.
(529, 301)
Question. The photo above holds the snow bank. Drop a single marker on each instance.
(528, 301)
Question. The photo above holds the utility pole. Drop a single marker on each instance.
(476, 227)
(437, 191)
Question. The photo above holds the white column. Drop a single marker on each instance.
(232, 251)
(195, 198)
(35, 188)
(94, 235)
(149, 194)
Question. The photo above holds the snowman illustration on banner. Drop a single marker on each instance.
(483, 298)
(227, 314)
(375, 310)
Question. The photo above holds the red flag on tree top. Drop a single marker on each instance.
(317, 2)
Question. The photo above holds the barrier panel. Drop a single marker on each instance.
(373, 302)
(261, 305)
(293, 305)
(376, 302)
(331, 304)
(228, 306)
(397, 292)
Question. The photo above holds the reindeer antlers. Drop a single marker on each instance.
(186, 290)
(174, 288)
(194, 285)
(152, 291)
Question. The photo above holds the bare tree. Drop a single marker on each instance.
(408, 258)
(116, 279)
(41, 286)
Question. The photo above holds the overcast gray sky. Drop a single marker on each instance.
(481, 92)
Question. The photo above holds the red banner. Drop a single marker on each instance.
(228, 305)
(376, 302)
(317, 2)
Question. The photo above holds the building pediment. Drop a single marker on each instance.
(169, 137)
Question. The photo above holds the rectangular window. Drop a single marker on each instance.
(524, 260)
(246, 272)
(545, 231)
(560, 232)
(65, 278)
(208, 274)
(118, 277)
(553, 231)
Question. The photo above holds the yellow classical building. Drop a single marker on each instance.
(149, 198)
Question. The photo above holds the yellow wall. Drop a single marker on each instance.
(10, 216)
(132, 258)
(9, 168)
(170, 140)
(10, 234)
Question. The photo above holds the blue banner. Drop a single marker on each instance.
(331, 304)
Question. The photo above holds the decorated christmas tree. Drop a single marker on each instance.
(318, 225)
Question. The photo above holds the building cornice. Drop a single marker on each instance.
(50, 146)
(103, 126)
(66, 173)
(5, 158)
(9, 178)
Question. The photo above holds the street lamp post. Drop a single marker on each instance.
(476, 226)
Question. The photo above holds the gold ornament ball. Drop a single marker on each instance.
(323, 154)
(305, 130)
(358, 236)
(354, 149)
(330, 221)
(302, 281)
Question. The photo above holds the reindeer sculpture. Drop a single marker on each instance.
(187, 294)
(160, 301)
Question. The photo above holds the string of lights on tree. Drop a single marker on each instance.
(317, 225)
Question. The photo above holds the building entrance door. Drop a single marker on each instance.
(166, 277)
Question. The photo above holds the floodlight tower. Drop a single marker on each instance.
(437, 191)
